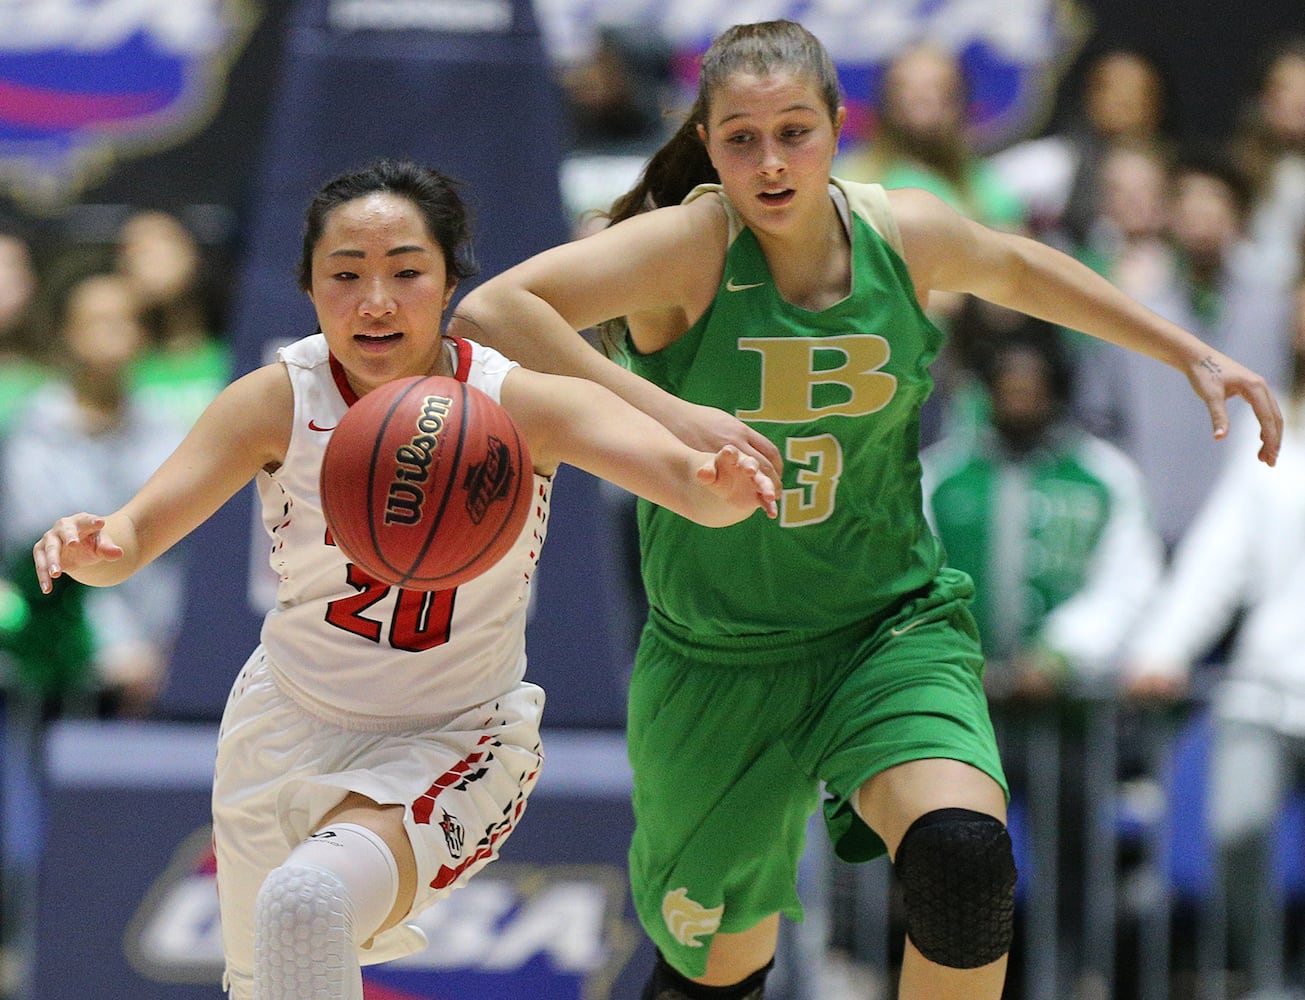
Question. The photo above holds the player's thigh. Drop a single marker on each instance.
(914, 696)
(462, 787)
(734, 957)
(721, 805)
(893, 799)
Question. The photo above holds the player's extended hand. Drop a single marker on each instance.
(73, 542)
(739, 479)
(705, 428)
(1217, 378)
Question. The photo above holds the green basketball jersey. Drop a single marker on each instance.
(839, 392)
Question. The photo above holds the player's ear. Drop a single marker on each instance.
(449, 288)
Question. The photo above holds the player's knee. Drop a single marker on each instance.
(303, 933)
(957, 874)
(667, 983)
(332, 894)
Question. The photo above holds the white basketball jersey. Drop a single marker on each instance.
(347, 645)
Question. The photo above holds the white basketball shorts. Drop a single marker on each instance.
(280, 769)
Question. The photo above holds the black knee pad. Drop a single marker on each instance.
(957, 875)
(668, 984)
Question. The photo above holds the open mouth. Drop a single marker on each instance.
(776, 197)
(377, 338)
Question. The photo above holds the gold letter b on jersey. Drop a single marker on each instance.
(788, 373)
(687, 920)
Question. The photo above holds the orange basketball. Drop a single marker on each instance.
(426, 483)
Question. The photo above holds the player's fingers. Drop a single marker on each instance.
(762, 484)
(1218, 416)
(765, 487)
(77, 528)
(93, 536)
(748, 465)
(45, 557)
(78, 538)
(765, 452)
(1269, 414)
(710, 469)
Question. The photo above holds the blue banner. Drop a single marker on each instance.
(83, 85)
(137, 915)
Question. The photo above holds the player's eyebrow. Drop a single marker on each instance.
(783, 111)
(395, 252)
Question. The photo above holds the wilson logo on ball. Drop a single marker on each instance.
(412, 460)
(426, 483)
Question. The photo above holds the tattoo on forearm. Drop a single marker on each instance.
(1210, 365)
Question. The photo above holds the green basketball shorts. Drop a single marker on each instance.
(729, 759)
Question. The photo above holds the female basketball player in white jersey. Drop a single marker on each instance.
(379, 745)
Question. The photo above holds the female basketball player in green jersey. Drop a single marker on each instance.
(782, 311)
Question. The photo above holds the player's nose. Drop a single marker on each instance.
(376, 299)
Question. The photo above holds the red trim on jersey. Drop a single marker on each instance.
(463, 348)
(337, 370)
(341, 380)
(463, 372)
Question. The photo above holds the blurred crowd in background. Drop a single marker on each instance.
(1123, 556)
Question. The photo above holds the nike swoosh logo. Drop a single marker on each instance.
(730, 286)
(312, 426)
(903, 629)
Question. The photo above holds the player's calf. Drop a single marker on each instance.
(668, 984)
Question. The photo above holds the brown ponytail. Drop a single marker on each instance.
(672, 172)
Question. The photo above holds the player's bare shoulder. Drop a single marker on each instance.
(680, 236)
(258, 410)
(935, 238)
(688, 268)
(707, 217)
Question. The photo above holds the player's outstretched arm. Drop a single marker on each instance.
(947, 252)
(665, 263)
(245, 428)
(583, 424)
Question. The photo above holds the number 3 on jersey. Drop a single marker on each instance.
(820, 458)
(421, 618)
